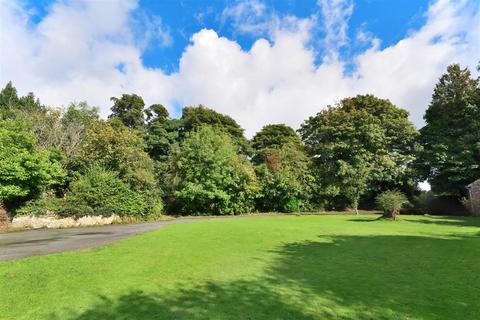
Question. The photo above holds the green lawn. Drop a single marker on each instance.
(292, 267)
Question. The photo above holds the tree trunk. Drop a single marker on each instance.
(391, 215)
(4, 220)
(355, 206)
(394, 215)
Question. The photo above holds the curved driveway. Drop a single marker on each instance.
(21, 244)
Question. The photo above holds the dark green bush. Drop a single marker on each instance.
(104, 191)
(43, 206)
(98, 192)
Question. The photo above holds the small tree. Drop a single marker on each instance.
(390, 202)
(25, 171)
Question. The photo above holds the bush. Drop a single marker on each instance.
(43, 206)
(97, 192)
(104, 192)
(390, 202)
(293, 205)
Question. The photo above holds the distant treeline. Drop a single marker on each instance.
(141, 162)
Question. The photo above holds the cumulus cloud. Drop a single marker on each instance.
(88, 50)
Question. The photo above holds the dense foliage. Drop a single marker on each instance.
(129, 110)
(102, 191)
(116, 147)
(450, 158)
(72, 162)
(25, 171)
(207, 175)
(362, 145)
(285, 178)
(274, 136)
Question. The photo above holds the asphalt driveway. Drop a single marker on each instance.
(21, 244)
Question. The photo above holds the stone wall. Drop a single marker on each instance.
(474, 197)
(54, 222)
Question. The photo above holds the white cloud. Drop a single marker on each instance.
(336, 14)
(153, 31)
(249, 16)
(75, 52)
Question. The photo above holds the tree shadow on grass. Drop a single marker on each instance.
(387, 277)
(233, 300)
(450, 221)
(439, 220)
(339, 277)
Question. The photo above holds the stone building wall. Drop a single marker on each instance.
(474, 196)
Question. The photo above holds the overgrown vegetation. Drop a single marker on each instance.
(140, 160)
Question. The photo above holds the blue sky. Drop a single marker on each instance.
(260, 61)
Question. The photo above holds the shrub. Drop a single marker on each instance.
(43, 206)
(102, 190)
(97, 192)
(293, 205)
(390, 202)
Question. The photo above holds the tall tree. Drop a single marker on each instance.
(196, 117)
(208, 175)
(62, 130)
(363, 139)
(450, 158)
(273, 136)
(130, 110)
(115, 147)
(11, 103)
(8, 96)
(162, 132)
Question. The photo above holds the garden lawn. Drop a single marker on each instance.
(284, 267)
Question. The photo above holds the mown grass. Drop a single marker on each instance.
(292, 267)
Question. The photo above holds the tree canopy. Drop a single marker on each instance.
(285, 177)
(115, 147)
(207, 175)
(25, 171)
(273, 136)
(450, 158)
(72, 162)
(129, 109)
(365, 136)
